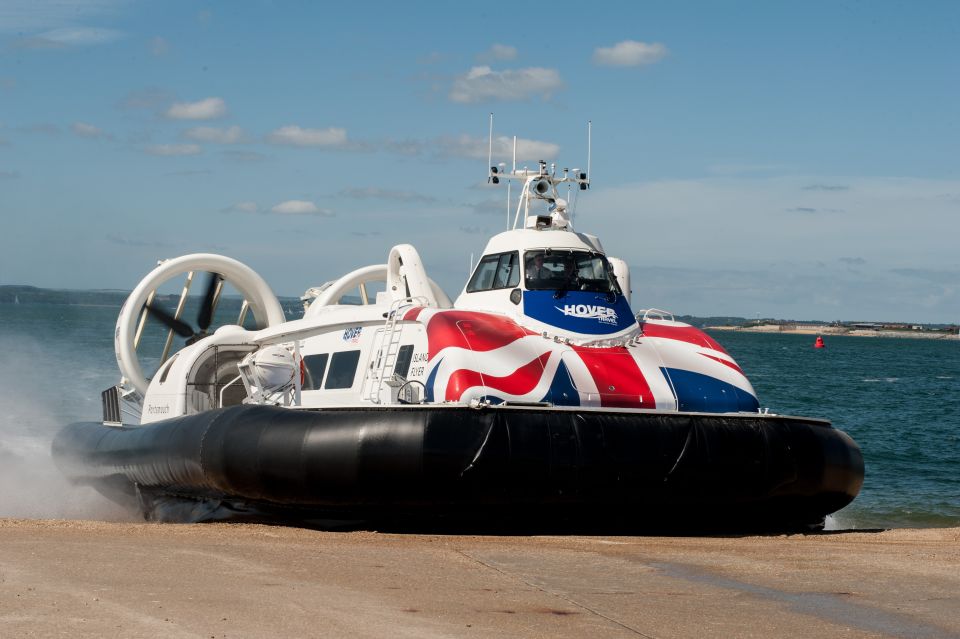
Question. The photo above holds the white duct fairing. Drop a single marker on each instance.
(263, 303)
(406, 276)
(403, 270)
(622, 272)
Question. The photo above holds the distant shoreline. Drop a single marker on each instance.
(837, 330)
(15, 295)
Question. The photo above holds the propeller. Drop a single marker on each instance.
(204, 317)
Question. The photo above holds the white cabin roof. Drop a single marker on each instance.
(527, 239)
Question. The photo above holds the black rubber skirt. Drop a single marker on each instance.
(488, 464)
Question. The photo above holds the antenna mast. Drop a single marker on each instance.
(589, 139)
(510, 183)
(540, 184)
(490, 150)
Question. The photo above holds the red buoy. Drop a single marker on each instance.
(819, 342)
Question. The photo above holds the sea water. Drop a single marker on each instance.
(898, 398)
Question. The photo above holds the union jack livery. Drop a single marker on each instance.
(538, 393)
(483, 357)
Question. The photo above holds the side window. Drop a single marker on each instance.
(314, 367)
(482, 279)
(343, 368)
(404, 356)
(500, 270)
(508, 271)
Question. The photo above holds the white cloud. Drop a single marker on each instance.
(372, 192)
(487, 207)
(174, 149)
(735, 168)
(739, 222)
(434, 57)
(498, 52)
(159, 46)
(71, 37)
(189, 173)
(243, 156)
(20, 16)
(300, 207)
(229, 135)
(206, 109)
(297, 136)
(44, 127)
(403, 147)
(85, 130)
(242, 207)
(467, 146)
(128, 241)
(629, 53)
(826, 187)
(483, 83)
(799, 290)
(149, 98)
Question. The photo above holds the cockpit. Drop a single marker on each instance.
(545, 269)
(550, 270)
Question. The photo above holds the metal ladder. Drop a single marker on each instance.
(389, 341)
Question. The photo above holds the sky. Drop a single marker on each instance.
(758, 159)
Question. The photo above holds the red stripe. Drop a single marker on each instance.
(687, 334)
(724, 362)
(616, 368)
(519, 382)
(479, 332)
(412, 314)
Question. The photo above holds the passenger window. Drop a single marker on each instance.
(343, 368)
(404, 356)
(313, 368)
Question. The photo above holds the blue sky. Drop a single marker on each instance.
(783, 159)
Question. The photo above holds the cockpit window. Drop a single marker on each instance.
(569, 270)
(500, 270)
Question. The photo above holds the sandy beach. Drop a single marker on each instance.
(97, 579)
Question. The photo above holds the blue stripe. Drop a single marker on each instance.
(704, 394)
(562, 391)
(543, 306)
(431, 378)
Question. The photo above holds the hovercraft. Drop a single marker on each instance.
(539, 395)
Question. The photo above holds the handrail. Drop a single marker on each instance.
(655, 313)
(226, 386)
